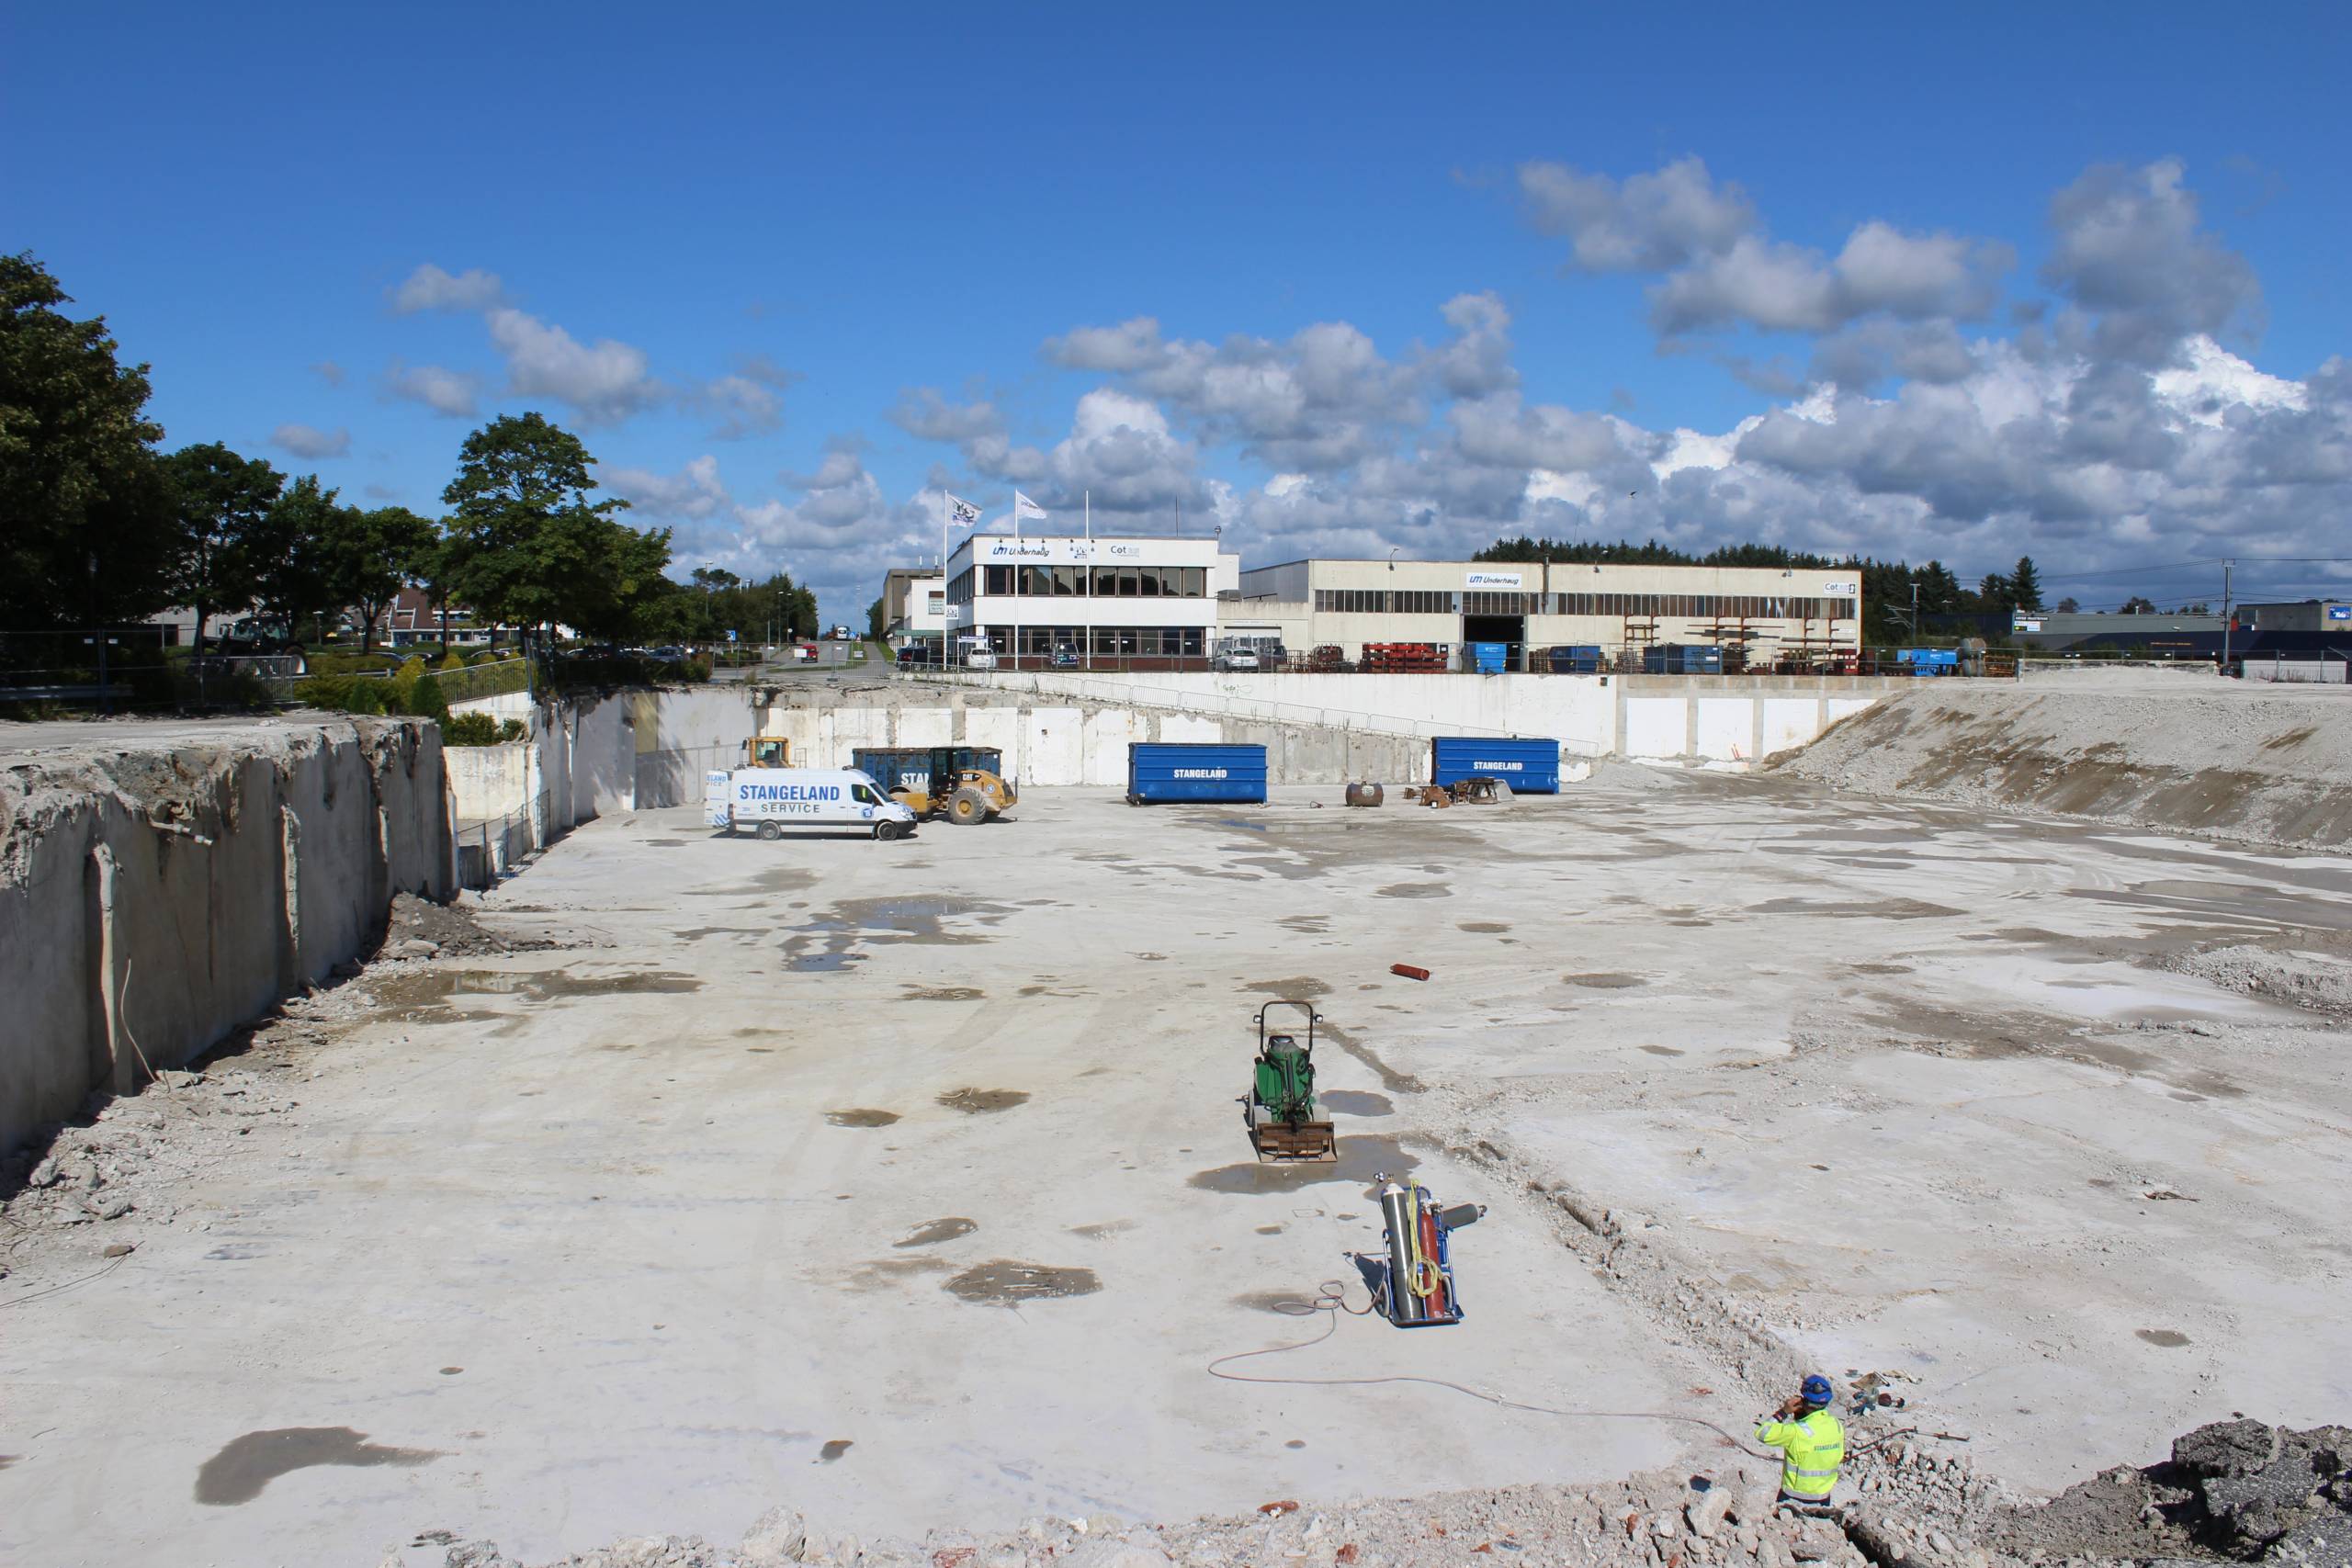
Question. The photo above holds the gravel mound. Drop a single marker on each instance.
(419, 928)
(2301, 979)
(2263, 768)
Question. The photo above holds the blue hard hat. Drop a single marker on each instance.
(1816, 1390)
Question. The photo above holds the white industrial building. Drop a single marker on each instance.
(914, 605)
(1148, 597)
(1769, 613)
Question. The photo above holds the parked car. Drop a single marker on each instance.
(923, 653)
(1066, 655)
(1237, 656)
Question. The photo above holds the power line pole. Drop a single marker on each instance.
(2227, 567)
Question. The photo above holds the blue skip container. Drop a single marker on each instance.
(1167, 771)
(1530, 767)
(1490, 657)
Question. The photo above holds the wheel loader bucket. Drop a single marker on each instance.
(1281, 1143)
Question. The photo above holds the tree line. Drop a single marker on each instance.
(103, 527)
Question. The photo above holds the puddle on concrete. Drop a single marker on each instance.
(2167, 1339)
(1415, 890)
(1104, 1231)
(1004, 1282)
(861, 1118)
(1879, 968)
(943, 994)
(1361, 1161)
(834, 1449)
(1483, 928)
(1662, 1051)
(1604, 982)
(833, 939)
(695, 933)
(1877, 910)
(666, 843)
(1358, 1102)
(425, 995)
(1690, 922)
(974, 1101)
(1237, 822)
(1302, 986)
(1306, 925)
(239, 1471)
(937, 1231)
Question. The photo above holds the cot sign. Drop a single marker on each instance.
(1841, 590)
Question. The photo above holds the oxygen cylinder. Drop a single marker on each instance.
(1396, 1211)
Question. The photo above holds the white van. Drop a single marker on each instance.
(769, 800)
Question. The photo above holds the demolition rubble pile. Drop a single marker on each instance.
(2234, 1491)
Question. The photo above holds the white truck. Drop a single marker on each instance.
(769, 800)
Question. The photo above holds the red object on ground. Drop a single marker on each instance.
(1408, 971)
(1439, 1307)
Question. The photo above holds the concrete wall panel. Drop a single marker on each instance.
(1657, 726)
(1789, 722)
(1728, 728)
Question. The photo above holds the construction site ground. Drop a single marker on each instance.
(907, 1184)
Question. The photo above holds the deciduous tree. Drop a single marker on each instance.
(88, 538)
(221, 503)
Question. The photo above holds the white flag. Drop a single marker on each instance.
(1024, 507)
(964, 511)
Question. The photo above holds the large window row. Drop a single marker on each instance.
(1188, 642)
(1683, 606)
(1109, 581)
(1384, 602)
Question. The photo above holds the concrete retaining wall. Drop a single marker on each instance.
(151, 900)
(1727, 721)
(1086, 743)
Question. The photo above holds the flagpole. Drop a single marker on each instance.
(1017, 564)
(1089, 580)
(947, 636)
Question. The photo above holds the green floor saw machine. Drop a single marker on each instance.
(1281, 1109)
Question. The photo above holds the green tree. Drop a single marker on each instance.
(89, 533)
(532, 549)
(293, 578)
(2135, 605)
(371, 554)
(874, 628)
(222, 503)
(2025, 585)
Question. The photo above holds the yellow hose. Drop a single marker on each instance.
(1422, 1279)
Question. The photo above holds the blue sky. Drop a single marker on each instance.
(790, 273)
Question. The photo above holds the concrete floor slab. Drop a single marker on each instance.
(906, 1183)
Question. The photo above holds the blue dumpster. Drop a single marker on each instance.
(1490, 657)
(1530, 767)
(1167, 771)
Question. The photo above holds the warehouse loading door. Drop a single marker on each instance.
(1510, 630)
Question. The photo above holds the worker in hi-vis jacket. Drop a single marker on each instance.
(1812, 1443)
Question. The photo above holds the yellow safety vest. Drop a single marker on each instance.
(1812, 1448)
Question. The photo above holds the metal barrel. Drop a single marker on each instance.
(1396, 1211)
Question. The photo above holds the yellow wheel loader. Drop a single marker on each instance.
(964, 785)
